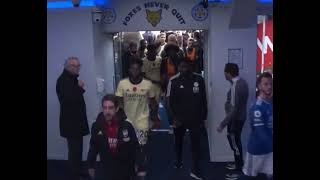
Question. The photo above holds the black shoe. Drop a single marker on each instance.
(178, 165)
(196, 176)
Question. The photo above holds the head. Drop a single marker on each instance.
(135, 68)
(185, 39)
(152, 51)
(168, 33)
(184, 67)
(143, 44)
(231, 70)
(162, 38)
(72, 65)
(196, 35)
(265, 85)
(171, 50)
(133, 47)
(157, 43)
(172, 38)
(180, 40)
(110, 106)
(190, 41)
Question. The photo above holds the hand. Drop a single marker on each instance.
(176, 123)
(81, 83)
(156, 124)
(136, 168)
(91, 172)
(220, 128)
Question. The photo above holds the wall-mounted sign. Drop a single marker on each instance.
(236, 56)
(153, 12)
(138, 15)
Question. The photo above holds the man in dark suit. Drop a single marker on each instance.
(236, 114)
(73, 117)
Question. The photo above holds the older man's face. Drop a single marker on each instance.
(73, 66)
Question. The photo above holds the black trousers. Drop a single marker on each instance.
(75, 156)
(168, 111)
(195, 144)
(234, 139)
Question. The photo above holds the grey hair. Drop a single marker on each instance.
(67, 61)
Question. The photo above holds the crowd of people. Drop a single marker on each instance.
(165, 67)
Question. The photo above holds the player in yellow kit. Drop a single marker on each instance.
(137, 96)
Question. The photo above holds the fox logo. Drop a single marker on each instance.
(154, 17)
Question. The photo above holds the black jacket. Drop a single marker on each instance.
(73, 116)
(126, 60)
(187, 99)
(121, 165)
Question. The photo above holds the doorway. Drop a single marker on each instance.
(121, 41)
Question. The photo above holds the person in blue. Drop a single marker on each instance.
(259, 157)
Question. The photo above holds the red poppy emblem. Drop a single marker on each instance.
(134, 89)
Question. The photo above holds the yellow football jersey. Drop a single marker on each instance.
(135, 100)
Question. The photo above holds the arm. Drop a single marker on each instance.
(170, 98)
(163, 74)
(93, 149)
(135, 142)
(163, 54)
(203, 100)
(153, 105)
(134, 147)
(67, 91)
(234, 111)
(143, 69)
(200, 56)
(227, 105)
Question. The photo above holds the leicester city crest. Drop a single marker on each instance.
(199, 13)
(108, 16)
(125, 134)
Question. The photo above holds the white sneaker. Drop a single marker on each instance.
(196, 176)
(231, 176)
(170, 130)
(231, 166)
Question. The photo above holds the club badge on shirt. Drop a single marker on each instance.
(195, 87)
(134, 88)
(125, 134)
(257, 114)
